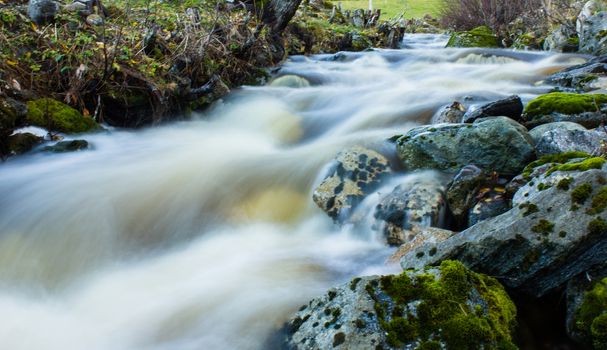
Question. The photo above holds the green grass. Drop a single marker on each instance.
(394, 8)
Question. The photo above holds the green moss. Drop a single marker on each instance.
(590, 319)
(56, 116)
(565, 103)
(429, 345)
(580, 194)
(585, 165)
(597, 227)
(354, 283)
(544, 227)
(599, 201)
(443, 309)
(554, 158)
(564, 184)
(543, 186)
(478, 37)
(531, 208)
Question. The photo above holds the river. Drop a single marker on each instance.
(203, 234)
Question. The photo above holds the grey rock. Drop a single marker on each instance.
(493, 144)
(421, 236)
(12, 114)
(461, 194)
(511, 107)
(353, 175)
(492, 203)
(358, 18)
(587, 119)
(538, 245)
(561, 141)
(537, 132)
(67, 146)
(42, 11)
(411, 205)
(561, 39)
(581, 77)
(94, 20)
(453, 113)
(593, 39)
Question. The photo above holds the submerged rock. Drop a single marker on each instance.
(409, 207)
(23, 142)
(556, 230)
(67, 146)
(56, 116)
(589, 110)
(493, 144)
(291, 81)
(448, 307)
(478, 37)
(581, 77)
(511, 107)
(354, 174)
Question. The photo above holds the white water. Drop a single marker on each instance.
(202, 234)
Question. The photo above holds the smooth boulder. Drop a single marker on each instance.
(511, 107)
(493, 144)
(539, 131)
(562, 140)
(42, 11)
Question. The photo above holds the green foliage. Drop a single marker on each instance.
(599, 201)
(564, 103)
(584, 165)
(591, 316)
(597, 227)
(553, 158)
(544, 227)
(57, 116)
(581, 193)
(564, 184)
(443, 309)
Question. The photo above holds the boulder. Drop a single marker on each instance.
(562, 140)
(21, 143)
(12, 114)
(448, 307)
(56, 116)
(539, 131)
(494, 144)
(562, 39)
(586, 303)
(477, 37)
(67, 146)
(593, 34)
(410, 206)
(581, 77)
(353, 175)
(589, 110)
(556, 230)
(461, 193)
(290, 81)
(42, 11)
(422, 235)
(511, 107)
(452, 113)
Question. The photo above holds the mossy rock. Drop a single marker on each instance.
(23, 142)
(449, 307)
(590, 320)
(57, 116)
(586, 109)
(67, 146)
(478, 37)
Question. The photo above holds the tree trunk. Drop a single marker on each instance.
(278, 13)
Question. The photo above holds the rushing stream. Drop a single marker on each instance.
(203, 234)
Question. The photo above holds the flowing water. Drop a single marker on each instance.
(203, 234)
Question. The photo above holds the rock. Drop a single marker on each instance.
(411, 205)
(493, 202)
(421, 235)
(453, 113)
(56, 116)
(494, 144)
(23, 142)
(461, 193)
(511, 107)
(586, 302)
(593, 34)
(562, 39)
(358, 18)
(561, 141)
(291, 81)
(581, 77)
(555, 231)
(528, 41)
(589, 9)
(448, 307)
(589, 110)
(42, 11)
(360, 42)
(477, 37)
(354, 174)
(539, 131)
(94, 20)
(12, 114)
(67, 146)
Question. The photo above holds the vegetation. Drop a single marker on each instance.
(396, 8)
(591, 316)
(565, 103)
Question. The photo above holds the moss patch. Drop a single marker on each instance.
(585, 165)
(544, 227)
(597, 227)
(599, 201)
(564, 184)
(565, 103)
(591, 317)
(553, 158)
(580, 194)
(443, 309)
(56, 116)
